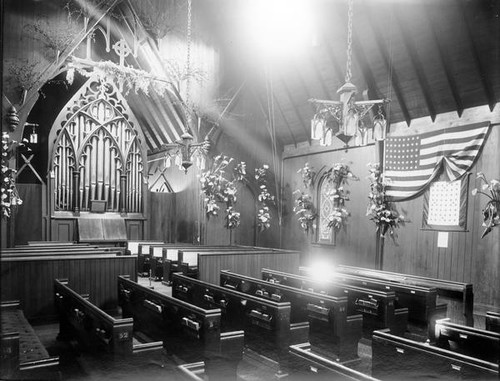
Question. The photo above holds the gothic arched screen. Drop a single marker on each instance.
(97, 155)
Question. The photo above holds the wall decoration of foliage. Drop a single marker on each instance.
(304, 207)
(491, 211)
(9, 198)
(382, 212)
(218, 190)
(265, 198)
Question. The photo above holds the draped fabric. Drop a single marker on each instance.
(412, 162)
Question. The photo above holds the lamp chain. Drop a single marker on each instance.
(348, 73)
(188, 65)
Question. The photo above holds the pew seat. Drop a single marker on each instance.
(95, 329)
(21, 347)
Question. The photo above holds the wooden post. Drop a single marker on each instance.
(379, 239)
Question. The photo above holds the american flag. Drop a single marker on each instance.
(412, 162)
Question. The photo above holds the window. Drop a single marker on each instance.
(325, 207)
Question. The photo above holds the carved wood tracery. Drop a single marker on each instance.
(97, 153)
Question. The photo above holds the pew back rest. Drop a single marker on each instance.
(275, 316)
(205, 323)
(304, 304)
(115, 333)
(493, 321)
(467, 340)
(392, 353)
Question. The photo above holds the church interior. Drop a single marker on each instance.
(250, 190)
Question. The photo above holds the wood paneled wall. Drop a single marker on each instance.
(468, 258)
(31, 281)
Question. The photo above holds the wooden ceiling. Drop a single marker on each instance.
(428, 57)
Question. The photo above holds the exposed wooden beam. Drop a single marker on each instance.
(386, 56)
(159, 124)
(488, 88)
(416, 63)
(317, 74)
(445, 61)
(282, 114)
(296, 111)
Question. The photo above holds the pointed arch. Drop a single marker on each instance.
(97, 153)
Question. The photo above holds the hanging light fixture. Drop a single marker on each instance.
(347, 118)
(184, 152)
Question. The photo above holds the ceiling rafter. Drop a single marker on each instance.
(158, 124)
(282, 114)
(445, 61)
(295, 109)
(319, 78)
(416, 64)
(488, 89)
(393, 76)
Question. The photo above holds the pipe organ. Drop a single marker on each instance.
(97, 153)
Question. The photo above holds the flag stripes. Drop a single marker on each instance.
(412, 162)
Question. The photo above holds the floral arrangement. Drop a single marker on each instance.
(217, 189)
(8, 192)
(305, 211)
(304, 207)
(491, 211)
(264, 198)
(338, 176)
(381, 211)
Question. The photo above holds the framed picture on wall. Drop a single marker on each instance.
(445, 205)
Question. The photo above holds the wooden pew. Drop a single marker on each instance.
(309, 365)
(331, 329)
(245, 261)
(469, 341)
(493, 321)
(157, 255)
(448, 291)
(94, 328)
(399, 358)
(266, 323)
(21, 349)
(377, 307)
(141, 248)
(423, 310)
(190, 332)
(30, 279)
(60, 250)
(185, 258)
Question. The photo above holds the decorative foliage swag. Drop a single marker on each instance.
(491, 211)
(337, 176)
(217, 189)
(8, 191)
(380, 211)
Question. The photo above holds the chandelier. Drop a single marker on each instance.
(347, 118)
(184, 152)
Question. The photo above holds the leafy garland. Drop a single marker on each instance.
(381, 211)
(304, 207)
(491, 211)
(338, 177)
(9, 198)
(217, 189)
(265, 198)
